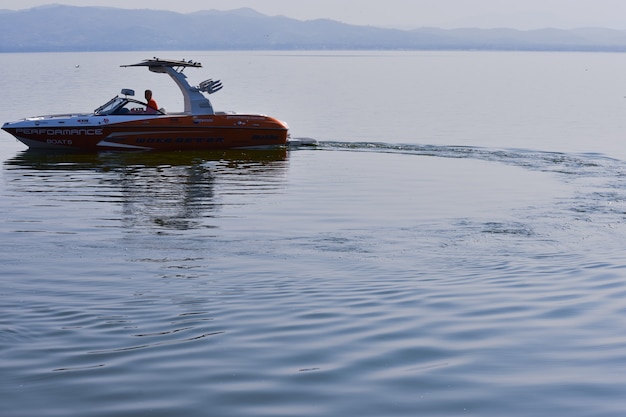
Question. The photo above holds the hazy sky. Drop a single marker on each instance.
(521, 14)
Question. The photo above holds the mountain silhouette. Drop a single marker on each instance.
(71, 28)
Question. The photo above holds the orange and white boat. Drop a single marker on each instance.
(128, 124)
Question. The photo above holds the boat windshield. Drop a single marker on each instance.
(125, 106)
(110, 107)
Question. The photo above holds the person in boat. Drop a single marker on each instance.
(152, 104)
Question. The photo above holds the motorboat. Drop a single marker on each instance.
(125, 123)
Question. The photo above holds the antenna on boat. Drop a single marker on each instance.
(209, 86)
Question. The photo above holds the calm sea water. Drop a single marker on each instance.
(454, 245)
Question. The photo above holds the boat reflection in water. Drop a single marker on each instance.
(160, 191)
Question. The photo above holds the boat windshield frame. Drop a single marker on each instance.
(110, 106)
(117, 106)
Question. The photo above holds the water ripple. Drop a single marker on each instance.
(230, 286)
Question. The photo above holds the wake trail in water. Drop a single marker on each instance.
(588, 164)
(592, 207)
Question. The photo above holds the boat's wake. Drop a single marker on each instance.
(587, 164)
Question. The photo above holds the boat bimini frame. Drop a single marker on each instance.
(196, 103)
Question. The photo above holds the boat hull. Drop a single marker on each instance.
(165, 133)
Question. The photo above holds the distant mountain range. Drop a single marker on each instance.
(69, 28)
